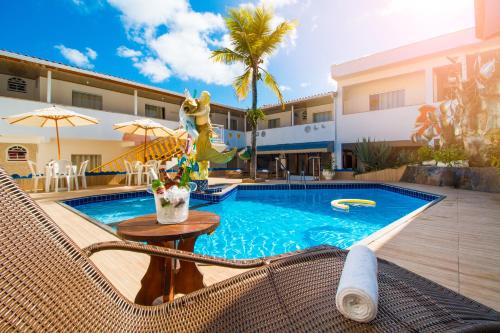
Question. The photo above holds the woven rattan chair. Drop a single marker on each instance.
(47, 283)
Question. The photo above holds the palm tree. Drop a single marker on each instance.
(252, 40)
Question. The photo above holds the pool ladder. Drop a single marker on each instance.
(288, 179)
(303, 178)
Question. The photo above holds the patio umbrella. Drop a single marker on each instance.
(144, 127)
(53, 116)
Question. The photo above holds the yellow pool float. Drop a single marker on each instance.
(343, 203)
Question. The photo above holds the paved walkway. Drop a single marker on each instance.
(455, 243)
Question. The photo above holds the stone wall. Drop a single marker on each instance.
(475, 179)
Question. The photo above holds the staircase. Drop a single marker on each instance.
(158, 149)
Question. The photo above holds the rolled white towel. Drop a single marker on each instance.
(357, 293)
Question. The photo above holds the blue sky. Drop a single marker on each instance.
(166, 42)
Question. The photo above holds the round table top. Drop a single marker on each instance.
(146, 228)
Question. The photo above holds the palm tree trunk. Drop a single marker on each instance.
(253, 164)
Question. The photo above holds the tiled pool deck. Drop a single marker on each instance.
(454, 242)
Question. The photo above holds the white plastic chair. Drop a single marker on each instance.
(131, 172)
(62, 169)
(35, 175)
(81, 174)
(169, 165)
(151, 165)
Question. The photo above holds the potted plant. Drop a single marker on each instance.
(328, 171)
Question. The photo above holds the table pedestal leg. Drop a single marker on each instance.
(188, 278)
(157, 280)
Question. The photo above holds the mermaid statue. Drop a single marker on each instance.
(194, 116)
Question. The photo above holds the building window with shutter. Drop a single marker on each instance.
(319, 117)
(86, 100)
(273, 123)
(234, 124)
(16, 84)
(17, 153)
(153, 111)
(387, 100)
(447, 79)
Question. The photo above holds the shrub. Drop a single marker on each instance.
(405, 157)
(492, 151)
(425, 153)
(372, 155)
(450, 154)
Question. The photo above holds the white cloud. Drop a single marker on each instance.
(154, 69)
(125, 52)
(284, 88)
(91, 53)
(305, 84)
(314, 24)
(275, 4)
(76, 57)
(184, 50)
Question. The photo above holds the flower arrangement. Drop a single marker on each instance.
(172, 194)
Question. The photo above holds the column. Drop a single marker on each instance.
(337, 113)
(292, 116)
(135, 102)
(429, 85)
(245, 123)
(228, 120)
(49, 86)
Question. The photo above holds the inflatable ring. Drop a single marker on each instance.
(342, 203)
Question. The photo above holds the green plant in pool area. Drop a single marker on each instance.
(405, 157)
(450, 154)
(425, 153)
(372, 155)
(253, 38)
(492, 152)
(471, 112)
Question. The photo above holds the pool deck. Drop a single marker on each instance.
(455, 242)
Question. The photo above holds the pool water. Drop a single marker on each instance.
(257, 223)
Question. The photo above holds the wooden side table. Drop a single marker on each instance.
(162, 277)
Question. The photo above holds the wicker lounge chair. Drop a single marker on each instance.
(47, 283)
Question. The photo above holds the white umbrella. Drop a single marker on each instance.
(53, 116)
(144, 127)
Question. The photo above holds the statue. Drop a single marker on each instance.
(194, 116)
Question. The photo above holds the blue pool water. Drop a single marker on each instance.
(258, 223)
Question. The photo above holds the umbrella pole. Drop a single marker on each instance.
(58, 144)
(145, 136)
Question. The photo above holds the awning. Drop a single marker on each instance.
(319, 147)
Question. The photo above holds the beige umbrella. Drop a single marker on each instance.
(53, 116)
(144, 127)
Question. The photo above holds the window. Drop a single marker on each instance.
(234, 124)
(273, 123)
(387, 100)
(322, 116)
(303, 115)
(153, 111)
(17, 153)
(447, 78)
(86, 100)
(94, 160)
(16, 84)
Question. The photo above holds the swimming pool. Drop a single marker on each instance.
(261, 221)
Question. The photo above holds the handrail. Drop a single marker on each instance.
(160, 147)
